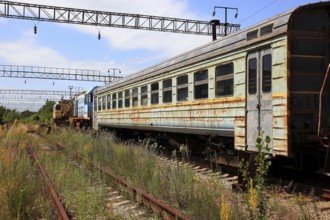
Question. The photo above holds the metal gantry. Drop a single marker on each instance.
(18, 10)
(53, 73)
(22, 106)
(30, 99)
(35, 92)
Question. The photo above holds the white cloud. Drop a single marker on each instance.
(165, 44)
(27, 51)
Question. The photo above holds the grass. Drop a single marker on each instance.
(22, 192)
(85, 195)
(199, 199)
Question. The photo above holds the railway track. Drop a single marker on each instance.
(119, 203)
(63, 213)
(290, 180)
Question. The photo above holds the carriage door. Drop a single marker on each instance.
(259, 96)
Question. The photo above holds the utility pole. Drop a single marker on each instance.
(226, 23)
(70, 87)
(113, 71)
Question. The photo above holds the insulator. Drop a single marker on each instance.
(35, 29)
(99, 36)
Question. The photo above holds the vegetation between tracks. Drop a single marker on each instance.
(178, 185)
(84, 195)
(23, 195)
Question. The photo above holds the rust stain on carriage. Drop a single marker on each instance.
(229, 100)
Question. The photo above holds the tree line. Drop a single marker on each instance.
(42, 116)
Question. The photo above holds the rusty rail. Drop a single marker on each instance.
(61, 210)
(164, 210)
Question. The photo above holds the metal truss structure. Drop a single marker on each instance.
(18, 10)
(36, 92)
(22, 106)
(31, 100)
(55, 73)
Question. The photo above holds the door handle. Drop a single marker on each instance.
(258, 106)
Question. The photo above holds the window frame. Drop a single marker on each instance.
(167, 90)
(144, 96)
(201, 82)
(109, 101)
(127, 98)
(255, 88)
(135, 97)
(182, 87)
(114, 101)
(220, 77)
(104, 102)
(263, 74)
(120, 99)
(154, 93)
(99, 103)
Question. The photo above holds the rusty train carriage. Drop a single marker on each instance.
(264, 78)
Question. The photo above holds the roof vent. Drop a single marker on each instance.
(266, 30)
(252, 35)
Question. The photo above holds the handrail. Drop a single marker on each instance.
(320, 109)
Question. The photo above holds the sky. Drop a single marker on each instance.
(77, 46)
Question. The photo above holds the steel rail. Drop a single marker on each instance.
(162, 208)
(56, 199)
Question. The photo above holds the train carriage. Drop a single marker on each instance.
(267, 77)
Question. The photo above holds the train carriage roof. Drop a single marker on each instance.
(277, 24)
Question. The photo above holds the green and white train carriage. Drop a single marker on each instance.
(267, 77)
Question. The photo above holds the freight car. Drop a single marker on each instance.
(76, 112)
(270, 77)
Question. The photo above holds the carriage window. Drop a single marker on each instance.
(109, 102)
(252, 76)
(120, 99)
(182, 88)
(144, 95)
(167, 91)
(267, 73)
(90, 97)
(201, 90)
(95, 105)
(114, 101)
(224, 76)
(99, 104)
(86, 99)
(135, 97)
(127, 98)
(155, 93)
(103, 102)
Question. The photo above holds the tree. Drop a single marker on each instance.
(46, 112)
(10, 116)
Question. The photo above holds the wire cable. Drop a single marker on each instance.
(258, 11)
